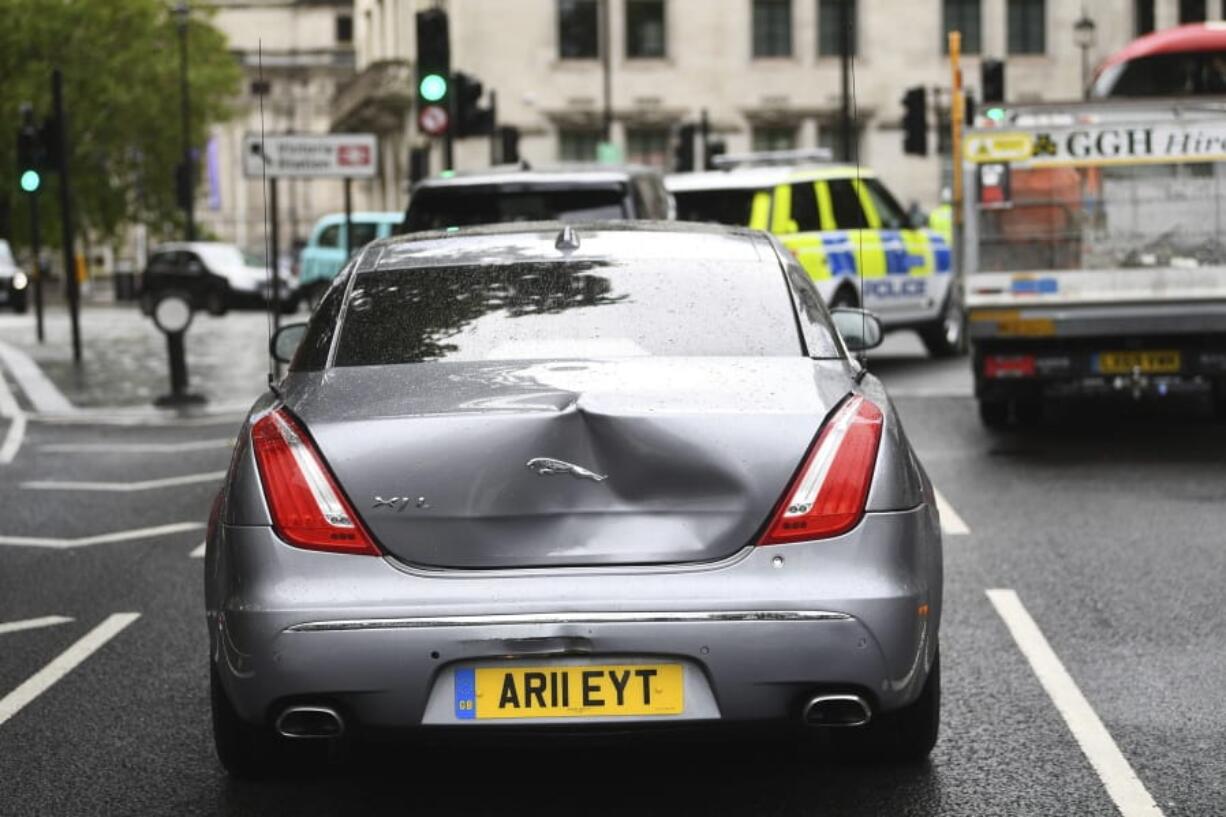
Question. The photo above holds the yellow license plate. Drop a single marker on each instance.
(1152, 362)
(569, 691)
(1026, 327)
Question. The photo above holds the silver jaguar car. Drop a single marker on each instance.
(605, 477)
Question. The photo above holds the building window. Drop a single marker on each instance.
(645, 29)
(774, 137)
(772, 28)
(578, 29)
(829, 24)
(830, 136)
(578, 145)
(963, 16)
(647, 146)
(1143, 16)
(1192, 11)
(344, 28)
(1027, 27)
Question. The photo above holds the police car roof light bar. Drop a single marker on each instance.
(772, 158)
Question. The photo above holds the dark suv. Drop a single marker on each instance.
(568, 193)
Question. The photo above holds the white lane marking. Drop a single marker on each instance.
(38, 389)
(62, 664)
(32, 623)
(121, 487)
(951, 523)
(1124, 787)
(17, 427)
(198, 551)
(101, 538)
(12, 439)
(136, 448)
(105, 418)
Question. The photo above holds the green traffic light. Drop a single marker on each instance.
(995, 114)
(433, 87)
(30, 181)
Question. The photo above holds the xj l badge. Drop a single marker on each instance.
(546, 466)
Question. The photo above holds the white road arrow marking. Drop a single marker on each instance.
(32, 623)
(62, 664)
(17, 427)
(951, 523)
(136, 448)
(1123, 786)
(121, 487)
(100, 539)
(198, 551)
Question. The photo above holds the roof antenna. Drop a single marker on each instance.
(272, 288)
(852, 147)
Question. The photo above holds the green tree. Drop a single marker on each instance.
(120, 61)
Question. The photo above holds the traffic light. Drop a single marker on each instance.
(915, 122)
(714, 149)
(29, 152)
(433, 72)
(992, 81)
(683, 154)
(470, 118)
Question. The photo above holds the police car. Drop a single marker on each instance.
(846, 229)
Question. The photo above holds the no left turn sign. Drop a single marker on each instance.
(433, 119)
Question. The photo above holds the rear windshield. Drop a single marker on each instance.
(569, 310)
(464, 207)
(718, 206)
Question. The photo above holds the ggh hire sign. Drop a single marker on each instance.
(1130, 145)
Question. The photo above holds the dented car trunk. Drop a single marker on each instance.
(583, 463)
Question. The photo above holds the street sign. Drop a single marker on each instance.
(999, 147)
(325, 156)
(433, 120)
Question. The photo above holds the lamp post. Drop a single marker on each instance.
(186, 177)
(1084, 35)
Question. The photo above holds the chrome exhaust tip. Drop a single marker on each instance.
(310, 722)
(836, 710)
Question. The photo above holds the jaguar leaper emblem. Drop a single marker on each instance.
(547, 466)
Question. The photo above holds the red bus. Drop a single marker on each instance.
(1188, 60)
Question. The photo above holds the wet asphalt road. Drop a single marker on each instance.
(1111, 529)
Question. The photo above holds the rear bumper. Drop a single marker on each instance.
(381, 641)
(1057, 367)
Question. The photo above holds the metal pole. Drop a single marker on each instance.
(36, 246)
(704, 125)
(845, 80)
(494, 157)
(606, 65)
(449, 135)
(185, 125)
(70, 267)
(274, 259)
(1085, 71)
(348, 220)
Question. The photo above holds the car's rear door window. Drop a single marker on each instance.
(574, 309)
(727, 206)
(847, 210)
(464, 207)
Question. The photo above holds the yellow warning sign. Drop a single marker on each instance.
(999, 147)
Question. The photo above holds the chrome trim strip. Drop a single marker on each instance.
(508, 619)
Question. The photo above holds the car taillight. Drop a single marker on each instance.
(829, 494)
(995, 366)
(308, 509)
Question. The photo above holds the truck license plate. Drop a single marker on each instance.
(571, 691)
(1148, 362)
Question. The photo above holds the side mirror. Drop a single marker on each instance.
(285, 343)
(861, 330)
